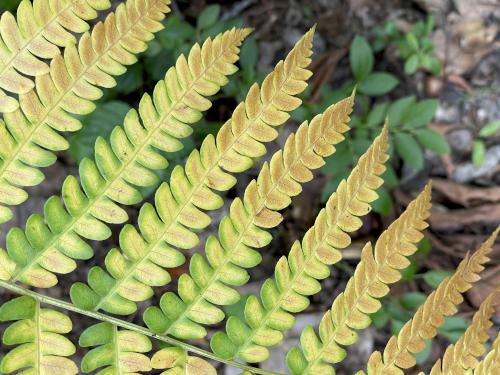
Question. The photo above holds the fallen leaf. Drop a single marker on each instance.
(466, 195)
(458, 219)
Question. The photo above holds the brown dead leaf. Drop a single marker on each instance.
(457, 219)
(465, 195)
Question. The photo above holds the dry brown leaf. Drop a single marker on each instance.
(457, 219)
(466, 195)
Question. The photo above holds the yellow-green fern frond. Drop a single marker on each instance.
(30, 135)
(178, 362)
(126, 161)
(491, 363)
(462, 356)
(211, 279)
(37, 332)
(40, 29)
(349, 312)
(296, 277)
(120, 352)
(399, 351)
(173, 223)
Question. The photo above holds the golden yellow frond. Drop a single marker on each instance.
(40, 29)
(296, 276)
(398, 353)
(350, 309)
(491, 363)
(459, 358)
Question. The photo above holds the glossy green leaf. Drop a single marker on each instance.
(434, 278)
(491, 129)
(399, 110)
(421, 113)
(478, 153)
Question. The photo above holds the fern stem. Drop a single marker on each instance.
(40, 298)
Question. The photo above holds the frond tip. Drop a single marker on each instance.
(463, 355)
(178, 214)
(399, 351)
(349, 312)
(212, 278)
(491, 363)
(296, 277)
(38, 334)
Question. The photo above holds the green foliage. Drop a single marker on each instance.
(407, 116)
(479, 147)
(414, 47)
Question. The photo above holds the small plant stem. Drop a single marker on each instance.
(127, 325)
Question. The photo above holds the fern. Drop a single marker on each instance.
(350, 309)
(29, 136)
(127, 160)
(118, 351)
(178, 211)
(296, 276)
(38, 32)
(398, 353)
(37, 332)
(491, 363)
(178, 362)
(459, 358)
(211, 278)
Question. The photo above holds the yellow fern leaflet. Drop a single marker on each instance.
(491, 363)
(40, 29)
(30, 135)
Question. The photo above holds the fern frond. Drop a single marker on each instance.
(460, 357)
(37, 332)
(349, 312)
(296, 276)
(127, 160)
(211, 279)
(120, 352)
(30, 134)
(398, 353)
(171, 225)
(491, 363)
(40, 29)
(178, 362)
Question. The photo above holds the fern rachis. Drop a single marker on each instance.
(135, 142)
(190, 188)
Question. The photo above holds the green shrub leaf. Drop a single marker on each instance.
(409, 150)
(361, 58)
(378, 83)
(433, 141)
